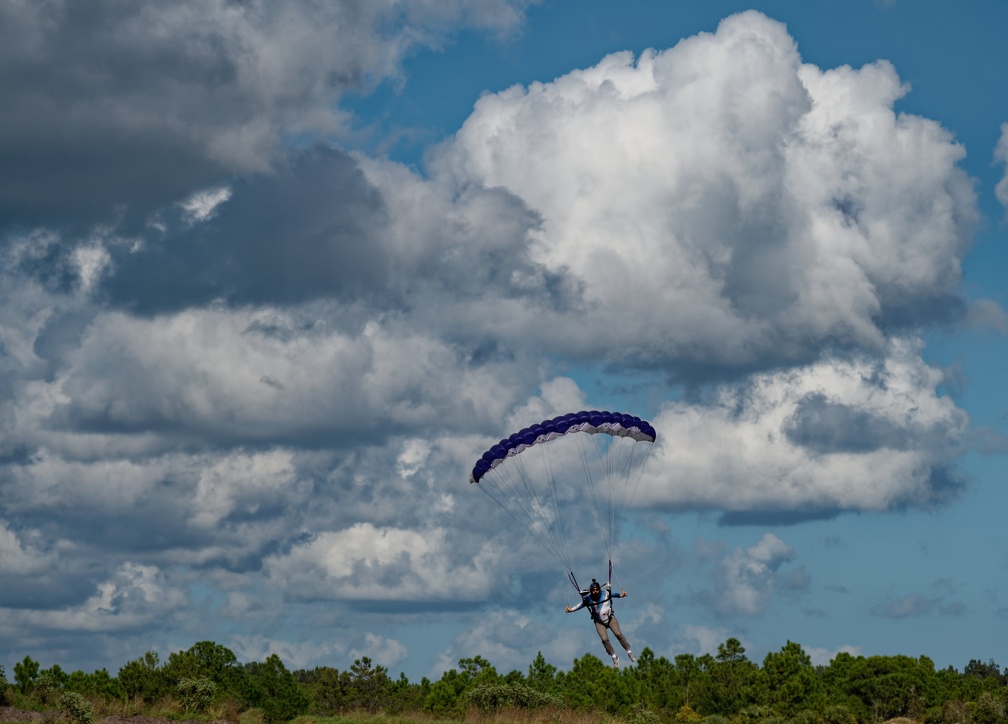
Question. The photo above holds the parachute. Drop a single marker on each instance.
(549, 476)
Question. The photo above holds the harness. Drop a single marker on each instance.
(594, 607)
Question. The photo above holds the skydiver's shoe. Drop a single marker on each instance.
(633, 659)
(615, 661)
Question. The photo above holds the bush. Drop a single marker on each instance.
(77, 708)
(196, 693)
(45, 688)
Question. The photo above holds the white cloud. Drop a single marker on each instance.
(364, 562)
(749, 576)
(203, 204)
(1001, 156)
(17, 557)
(721, 202)
(242, 482)
(823, 657)
(842, 434)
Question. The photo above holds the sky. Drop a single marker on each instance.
(273, 277)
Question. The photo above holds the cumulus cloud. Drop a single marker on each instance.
(845, 434)
(1001, 156)
(750, 576)
(723, 205)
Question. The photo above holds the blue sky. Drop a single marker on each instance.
(274, 277)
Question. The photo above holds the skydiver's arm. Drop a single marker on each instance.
(579, 606)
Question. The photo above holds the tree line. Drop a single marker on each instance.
(726, 688)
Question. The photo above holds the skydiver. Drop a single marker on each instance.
(598, 600)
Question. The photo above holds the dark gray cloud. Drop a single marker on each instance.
(113, 110)
(316, 228)
(830, 427)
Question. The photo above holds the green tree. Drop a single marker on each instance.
(407, 696)
(272, 689)
(205, 660)
(541, 675)
(369, 687)
(25, 674)
(791, 681)
(144, 679)
(97, 684)
(658, 682)
(884, 687)
(326, 690)
(445, 693)
(734, 680)
(590, 684)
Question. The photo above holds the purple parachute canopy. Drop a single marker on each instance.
(591, 422)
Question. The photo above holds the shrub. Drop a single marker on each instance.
(686, 715)
(45, 688)
(77, 708)
(642, 715)
(196, 693)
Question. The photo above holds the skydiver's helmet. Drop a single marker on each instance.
(594, 589)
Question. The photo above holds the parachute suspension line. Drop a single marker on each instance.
(603, 528)
(630, 490)
(622, 469)
(559, 532)
(606, 522)
(573, 580)
(505, 501)
(516, 494)
(552, 526)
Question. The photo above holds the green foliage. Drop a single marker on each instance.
(542, 675)
(144, 679)
(98, 685)
(326, 690)
(496, 696)
(726, 688)
(25, 674)
(45, 688)
(196, 693)
(791, 680)
(590, 684)
(272, 689)
(205, 660)
(837, 714)
(368, 687)
(77, 708)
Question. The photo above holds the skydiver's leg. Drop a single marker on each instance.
(614, 625)
(603, 633)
